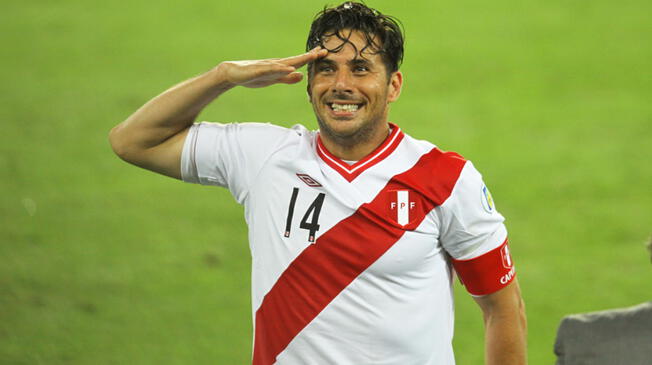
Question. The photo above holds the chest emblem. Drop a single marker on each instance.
(402, 206)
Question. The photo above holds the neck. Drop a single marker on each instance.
(346, 150)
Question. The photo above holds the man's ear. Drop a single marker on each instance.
(395, 86)
(308, 79)
(308, 91)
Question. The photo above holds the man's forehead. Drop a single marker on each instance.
(362, 44)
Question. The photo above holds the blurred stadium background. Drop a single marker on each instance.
(102, 263)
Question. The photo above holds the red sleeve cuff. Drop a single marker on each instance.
(487, 273)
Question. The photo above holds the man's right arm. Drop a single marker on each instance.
(153, 136)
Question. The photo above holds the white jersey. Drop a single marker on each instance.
(352, 263)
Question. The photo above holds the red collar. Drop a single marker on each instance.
(350, 172)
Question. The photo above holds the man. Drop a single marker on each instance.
(616, 336)
(353, 229)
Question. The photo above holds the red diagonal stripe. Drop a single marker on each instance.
(342, 253)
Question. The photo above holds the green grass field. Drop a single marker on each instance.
(102, 263)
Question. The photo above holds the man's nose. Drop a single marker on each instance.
(342, 82)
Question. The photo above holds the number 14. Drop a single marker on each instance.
(312, 213)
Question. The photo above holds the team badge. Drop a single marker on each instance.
(401, 206)
(487, 200)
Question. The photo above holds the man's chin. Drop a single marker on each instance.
(345, 133)
(340, 128)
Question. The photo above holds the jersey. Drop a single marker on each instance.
(353, 263)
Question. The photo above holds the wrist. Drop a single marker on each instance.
(219, 77)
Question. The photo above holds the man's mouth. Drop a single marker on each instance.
(347, 108)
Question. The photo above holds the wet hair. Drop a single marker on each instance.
(383, 33)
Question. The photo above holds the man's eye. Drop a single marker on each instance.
(325, 69)
(360, 69)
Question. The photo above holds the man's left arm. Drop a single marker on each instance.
(505, 326)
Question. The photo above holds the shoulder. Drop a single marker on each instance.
(437, 154)
(434, 173)
(438, 172)
(249, 138)
(443, 166)
(254, 128)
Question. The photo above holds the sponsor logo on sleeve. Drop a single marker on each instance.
(507, 264)
(487, 200)
(506, 257)
(507, 277)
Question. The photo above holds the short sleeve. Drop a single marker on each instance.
(472, 226)
(228, 155)
(474, 235)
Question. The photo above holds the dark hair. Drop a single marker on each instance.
(383, 33)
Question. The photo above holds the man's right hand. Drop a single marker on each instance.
(262, 73)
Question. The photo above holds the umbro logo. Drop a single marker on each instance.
(309, 180)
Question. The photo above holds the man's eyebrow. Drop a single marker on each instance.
(324, 61)
(359, 61)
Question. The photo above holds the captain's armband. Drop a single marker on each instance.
(487, 273)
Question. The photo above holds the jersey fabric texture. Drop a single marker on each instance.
(353, 263)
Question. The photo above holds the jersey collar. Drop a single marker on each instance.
(350, 172)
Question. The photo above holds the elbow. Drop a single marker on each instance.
(118, 143)
(522, 315)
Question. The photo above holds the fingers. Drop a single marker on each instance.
(302, 59)
(277, 68)
(262, 73)
(272, 74)
(291, 78)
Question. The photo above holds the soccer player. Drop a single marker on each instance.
(355, 229)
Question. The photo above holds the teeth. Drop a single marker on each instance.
(344, 107)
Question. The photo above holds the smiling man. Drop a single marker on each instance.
(356, 229)
(350, 90)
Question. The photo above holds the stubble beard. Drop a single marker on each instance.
(349, 140)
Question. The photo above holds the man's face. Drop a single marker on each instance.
(350, 92)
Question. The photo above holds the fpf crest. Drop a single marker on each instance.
(402, 206)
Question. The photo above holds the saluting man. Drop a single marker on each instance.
(355, 229)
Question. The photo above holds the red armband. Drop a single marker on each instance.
(487, 273)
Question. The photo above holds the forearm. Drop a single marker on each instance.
(505, 326)
(505, 338)
(167, 114)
